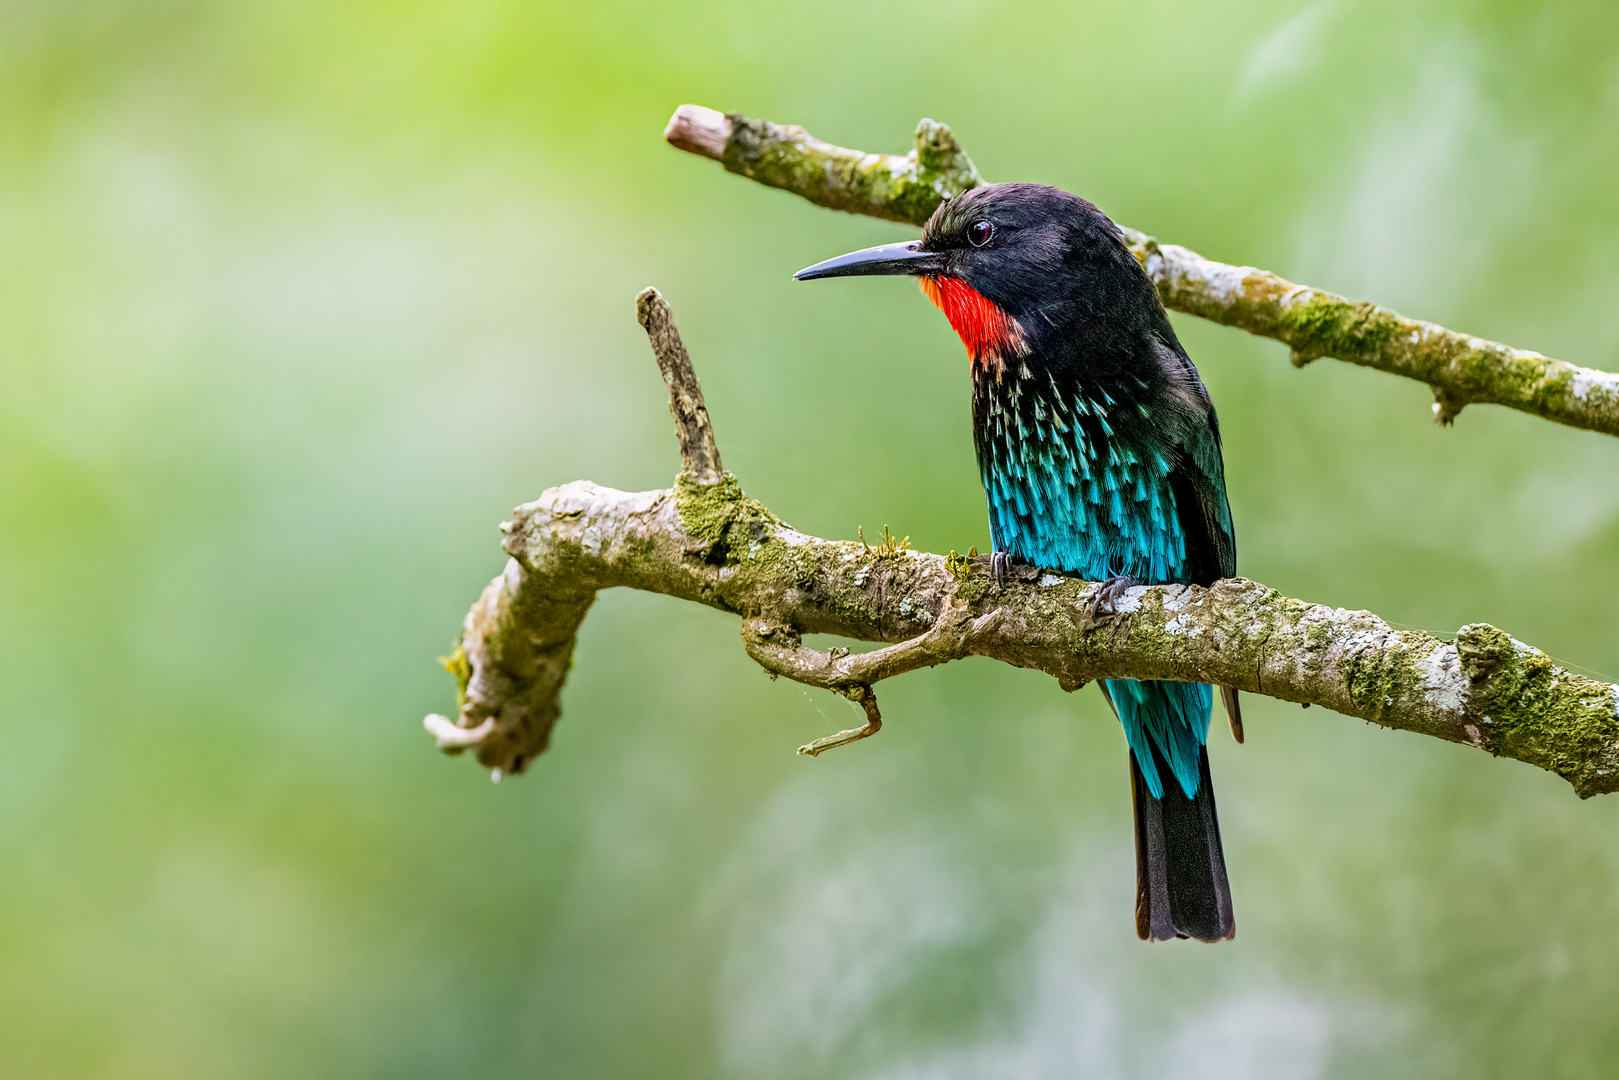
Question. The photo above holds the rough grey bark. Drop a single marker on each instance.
(703, 540)
(1460, 369)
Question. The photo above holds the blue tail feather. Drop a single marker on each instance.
(1174, 717)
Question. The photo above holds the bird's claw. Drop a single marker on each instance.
(1000, 565)
(1105, 600)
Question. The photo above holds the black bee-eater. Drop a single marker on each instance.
(1100, 456)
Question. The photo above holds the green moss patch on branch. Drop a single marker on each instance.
(895, 187)
(1530, 708)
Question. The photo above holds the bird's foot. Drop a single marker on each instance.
(1000, 566)
(1105, 600)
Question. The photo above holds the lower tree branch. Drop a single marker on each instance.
(708, 543)
(1461, 369)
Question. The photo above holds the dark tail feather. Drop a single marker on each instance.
(1181, 886)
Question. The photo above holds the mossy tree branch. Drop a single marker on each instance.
(1459, 368)
(704, 541)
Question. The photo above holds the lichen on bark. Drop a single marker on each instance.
(905, 188)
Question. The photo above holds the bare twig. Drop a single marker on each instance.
(1312, 323)
(693, 429)
(866, 698)
(710, 544)
(778, 649)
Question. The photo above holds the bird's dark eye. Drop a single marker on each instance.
(979, 233)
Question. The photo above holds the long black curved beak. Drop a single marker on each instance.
(907, 258)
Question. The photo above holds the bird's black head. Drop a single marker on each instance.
(1010, 264)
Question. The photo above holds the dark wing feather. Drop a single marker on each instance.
(1198, 483)
(1197, 477)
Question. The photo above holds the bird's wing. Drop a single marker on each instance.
(1198, 481)
(1197, 475)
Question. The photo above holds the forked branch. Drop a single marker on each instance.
(706, 542)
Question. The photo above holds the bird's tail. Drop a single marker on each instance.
(1181, 886)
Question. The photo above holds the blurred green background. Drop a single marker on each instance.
(298, 299)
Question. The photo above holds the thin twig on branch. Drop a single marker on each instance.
(1459, 368)
(707, 542)
(698, 452)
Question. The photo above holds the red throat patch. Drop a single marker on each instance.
(981, 324)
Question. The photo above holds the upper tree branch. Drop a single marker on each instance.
(1461, 369)
(707, 542)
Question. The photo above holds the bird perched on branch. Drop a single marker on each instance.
(1100, 456)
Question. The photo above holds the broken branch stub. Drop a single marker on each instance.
(693, 429)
